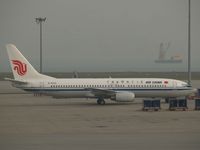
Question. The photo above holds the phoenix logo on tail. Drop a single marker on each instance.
(20, 67)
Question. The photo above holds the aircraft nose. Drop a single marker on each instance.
(185, 84)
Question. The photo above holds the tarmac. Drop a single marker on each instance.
(30, 122)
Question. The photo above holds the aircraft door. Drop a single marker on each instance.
(174, 84)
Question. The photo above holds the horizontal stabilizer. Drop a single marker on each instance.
(15, 81)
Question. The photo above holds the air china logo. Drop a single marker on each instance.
(166, 82)
(20, 67)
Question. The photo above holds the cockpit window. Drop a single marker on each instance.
(188, 86)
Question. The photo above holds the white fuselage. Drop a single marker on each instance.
(80, 88)
(117, 89)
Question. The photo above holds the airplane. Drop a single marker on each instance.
(116, 89)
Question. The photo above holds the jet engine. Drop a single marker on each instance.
(123, 97)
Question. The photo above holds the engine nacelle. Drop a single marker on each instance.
(124, 97)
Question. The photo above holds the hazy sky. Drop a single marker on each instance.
(100, 35)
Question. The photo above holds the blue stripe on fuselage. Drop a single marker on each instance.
(82, 89)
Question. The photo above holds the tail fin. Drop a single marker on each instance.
(21, 68)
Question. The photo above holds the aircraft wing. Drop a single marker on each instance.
(15, 81)
(102, 92)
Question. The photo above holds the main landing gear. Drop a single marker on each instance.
(101, 101)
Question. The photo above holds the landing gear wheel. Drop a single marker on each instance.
(98, 101)
(101, 101)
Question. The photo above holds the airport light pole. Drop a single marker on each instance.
(39, 21)
(189, 46)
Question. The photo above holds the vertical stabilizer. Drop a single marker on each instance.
(21, 68)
